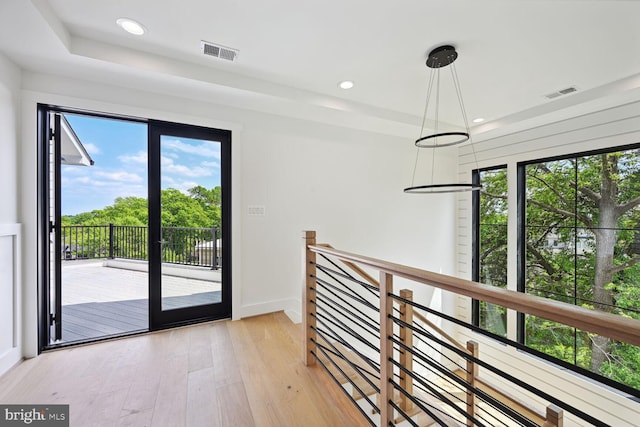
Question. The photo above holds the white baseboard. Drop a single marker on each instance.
(286, 305)
(294, 315)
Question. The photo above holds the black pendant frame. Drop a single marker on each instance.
(442, 56)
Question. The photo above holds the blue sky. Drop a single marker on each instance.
(119, 150)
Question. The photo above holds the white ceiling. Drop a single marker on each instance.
(294, 53)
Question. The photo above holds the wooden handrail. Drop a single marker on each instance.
(602, 323)
(387, 271)
(422, 318)
(355, 268)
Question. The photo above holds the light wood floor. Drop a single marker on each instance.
(242, 373)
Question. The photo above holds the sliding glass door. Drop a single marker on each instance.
(135, 225)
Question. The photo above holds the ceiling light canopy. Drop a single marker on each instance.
(478, 120)
(131, 26)
(345, 84)
(441, 57)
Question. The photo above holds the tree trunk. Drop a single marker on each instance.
(603, 298)
(605, 244)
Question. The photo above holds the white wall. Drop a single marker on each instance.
(10, 322)
(606, 128)
(9, 117)
(345, 184)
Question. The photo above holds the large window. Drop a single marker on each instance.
(578, 242)
(581, 245)
(490, 267)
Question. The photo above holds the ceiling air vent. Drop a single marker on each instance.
(561, 92)
(218, 51)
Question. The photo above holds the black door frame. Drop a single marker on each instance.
(50, 315)
(158, 318)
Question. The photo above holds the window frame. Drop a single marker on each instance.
(519, 228)
(522, 263)
(475, 244)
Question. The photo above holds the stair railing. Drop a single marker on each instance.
(338, 318)
(407, 315)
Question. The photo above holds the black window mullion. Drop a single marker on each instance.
(522, 244)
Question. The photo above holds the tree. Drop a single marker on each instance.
(587, 200)
(582, 246)
(187, 219)
(211, 197)
(210, 200)
(124, 211)
(180, 210)
(493, 246)
(199, 208)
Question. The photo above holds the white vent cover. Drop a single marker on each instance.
(218, 51)
(561, 92)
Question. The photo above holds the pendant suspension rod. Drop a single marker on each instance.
(456, 82)
(424, 119)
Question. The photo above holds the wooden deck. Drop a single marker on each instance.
(99, 301)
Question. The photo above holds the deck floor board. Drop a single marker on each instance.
(99, 301)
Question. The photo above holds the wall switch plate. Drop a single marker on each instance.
(255, 210)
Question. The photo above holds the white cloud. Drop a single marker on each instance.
(168, 166)
(92, 149)
(119, 176)
(73, 181)
(206, 149)
(213, 164)
(168, 181)
(140, 157)
(183, 186)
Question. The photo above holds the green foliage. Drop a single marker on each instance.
(493, 245)
(124, 211)
(623, 365)
(186, 220)
(575, 225)
(180, 210)
(582, 238)
(199, 208)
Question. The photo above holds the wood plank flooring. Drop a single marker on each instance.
(241, 373)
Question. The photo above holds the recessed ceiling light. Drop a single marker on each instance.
(131, 26)
(478, 120)
(346, 84)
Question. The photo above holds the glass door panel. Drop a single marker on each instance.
(189, 279)
(190, 214)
